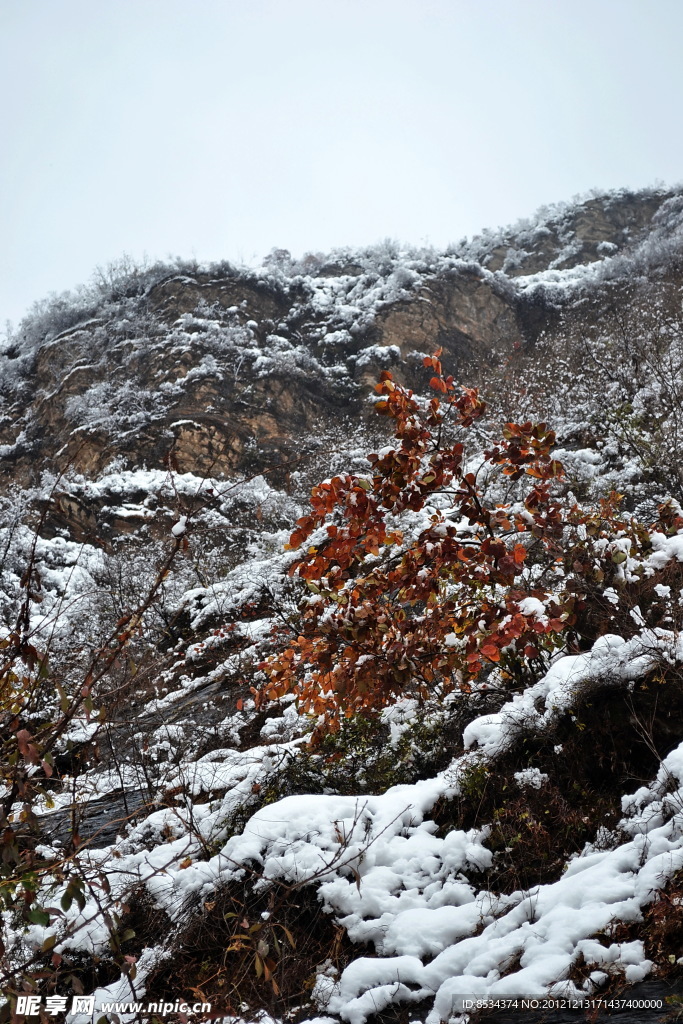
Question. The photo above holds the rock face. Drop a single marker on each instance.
(463, 313)
(224, 370)
(184, 376)
(571, 235)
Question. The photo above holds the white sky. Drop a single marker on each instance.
(220, 129)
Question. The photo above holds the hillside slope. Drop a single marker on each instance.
(168, 828)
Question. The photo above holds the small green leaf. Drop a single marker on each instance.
(63, 699)
(38, 916)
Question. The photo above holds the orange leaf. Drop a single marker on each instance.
(519, 553)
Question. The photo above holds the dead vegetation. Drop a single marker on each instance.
(245, 951)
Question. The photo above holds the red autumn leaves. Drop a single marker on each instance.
(385, 616)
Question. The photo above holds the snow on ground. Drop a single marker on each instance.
(381, 868)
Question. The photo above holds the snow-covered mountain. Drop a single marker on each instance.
(160, 432)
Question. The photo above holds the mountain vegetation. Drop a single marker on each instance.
(340, 630)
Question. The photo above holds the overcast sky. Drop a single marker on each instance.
(221, 129)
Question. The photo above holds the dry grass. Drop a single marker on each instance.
(609, 746)
(254, 950)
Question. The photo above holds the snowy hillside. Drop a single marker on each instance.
(330, 699)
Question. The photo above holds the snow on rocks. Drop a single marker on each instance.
(384, 872)
(390, 880)
(611, 661)
(539, 933)
(386, 875)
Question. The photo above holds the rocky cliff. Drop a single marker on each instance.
(227, 368)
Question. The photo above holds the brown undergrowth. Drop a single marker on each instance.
(662, 933)
(248, 951)
(612, 743)
(261, 950)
